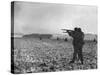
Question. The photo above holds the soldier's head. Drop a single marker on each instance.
(75, 29)
(79, 30)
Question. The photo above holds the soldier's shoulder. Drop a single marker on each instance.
(82, 32)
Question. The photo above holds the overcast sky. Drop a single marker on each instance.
(50, 18)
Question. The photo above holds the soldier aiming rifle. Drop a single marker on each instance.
(78, 41)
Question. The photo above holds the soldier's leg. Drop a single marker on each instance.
(74, 55)
(80, 55)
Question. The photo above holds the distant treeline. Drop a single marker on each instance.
(37, 36)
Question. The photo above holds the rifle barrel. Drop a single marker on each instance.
(66, 30)
(63, 29)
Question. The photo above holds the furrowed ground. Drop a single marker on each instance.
(34, 55)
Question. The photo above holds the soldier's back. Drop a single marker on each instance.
(78, 38)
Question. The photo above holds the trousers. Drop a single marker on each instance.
(77, 52)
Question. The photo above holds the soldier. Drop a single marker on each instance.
(78, 41)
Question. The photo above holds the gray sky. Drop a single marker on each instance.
(50, 18)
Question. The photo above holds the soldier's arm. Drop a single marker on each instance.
(71, 33)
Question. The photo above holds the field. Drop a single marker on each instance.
(46, 55)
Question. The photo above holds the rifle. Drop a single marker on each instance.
(67, 30)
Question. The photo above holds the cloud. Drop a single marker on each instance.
(50, 18)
